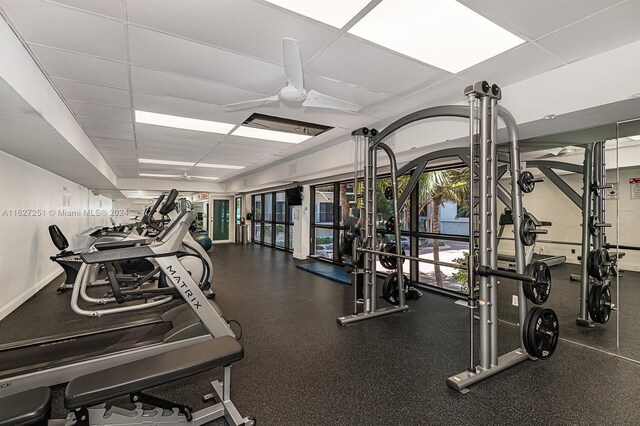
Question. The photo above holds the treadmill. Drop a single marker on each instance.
(58, 359)
(508, 262)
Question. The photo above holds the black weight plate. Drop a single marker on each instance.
(390, 224)
(386, 285)
(530, 330)
(538, 292)
(591, 303)
(527, 224)
(544, 333)
(593, 221)
(389, 262)
(590, 263)
(602, 303)
(599, 265)
(524, 182)
(391, 290)
(527, 287)
(525, 328)
(388, 193)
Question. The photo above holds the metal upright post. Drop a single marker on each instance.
(366, 282)
(516, 212)
(493, 226)
(587, 168)
(489, 362)
(485, 329)
(373, 227)
(598, 191)
(396, 212)
(472, 239)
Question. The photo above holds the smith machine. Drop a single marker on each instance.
(597, 264)
(539, 328)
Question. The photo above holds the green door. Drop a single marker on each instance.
(220, 220)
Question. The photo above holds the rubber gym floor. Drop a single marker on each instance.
(300, 367)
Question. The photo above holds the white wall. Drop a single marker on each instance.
(26, 246)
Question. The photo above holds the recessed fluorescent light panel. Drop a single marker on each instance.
(145, 117)
(333, 12)
(219, 166)
(270, 135)
(442, 33)
(159, 175)
(165, 162)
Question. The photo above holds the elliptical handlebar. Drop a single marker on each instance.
(169, 205)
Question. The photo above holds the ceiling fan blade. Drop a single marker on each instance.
(320, 100)
(292, 63)
(252, 102)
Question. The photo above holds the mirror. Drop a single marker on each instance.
(627, 236)
(556, 205)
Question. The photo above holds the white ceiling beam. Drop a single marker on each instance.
(21, 72)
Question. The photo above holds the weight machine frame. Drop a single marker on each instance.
(592, 201)
(483, 158)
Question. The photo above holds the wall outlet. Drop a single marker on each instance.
(514, 300)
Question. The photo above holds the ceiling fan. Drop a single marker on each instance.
(294, 90)
(559, 152)
(185, 176)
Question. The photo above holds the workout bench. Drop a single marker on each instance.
(86, 396)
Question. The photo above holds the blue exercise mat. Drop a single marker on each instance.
(326, 270)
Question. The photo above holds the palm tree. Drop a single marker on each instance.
(436, 188)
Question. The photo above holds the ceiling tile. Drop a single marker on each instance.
(187, 108)
(536, 18)
(190, 148)
(74, 66)
(448, 91)
(122, 172)
(217, 23)
(174, 155)
(77, 91)
(349, 58)
(109, 134)
(608, 30)
(98, 123)
(112, 8)
(179, 86)
(109, 143)
(347, 92)
(169, 139)
(248, 144)
(87, 109)
(149, 132)
(512, 66)
(198, 60)
(73, 29)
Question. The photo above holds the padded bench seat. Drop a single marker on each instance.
(146, 373)
(25, 408)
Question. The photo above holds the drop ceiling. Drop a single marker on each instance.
(108, 58)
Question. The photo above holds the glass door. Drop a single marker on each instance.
(220, 220)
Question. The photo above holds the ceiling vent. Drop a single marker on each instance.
(268, 122)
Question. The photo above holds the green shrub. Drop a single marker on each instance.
(462, 275)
